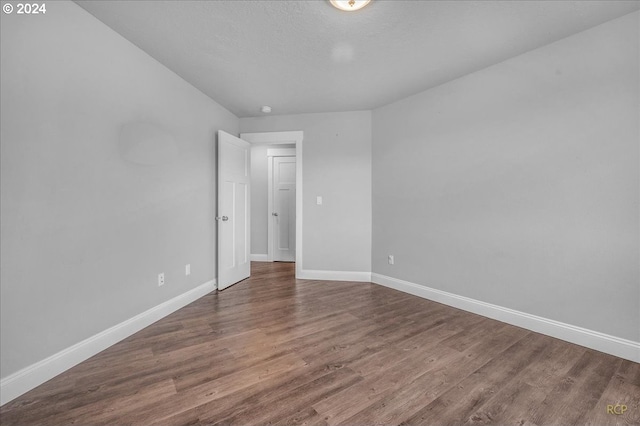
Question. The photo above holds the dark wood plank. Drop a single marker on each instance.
(578, 391)
(623, 389)
(457, 403)
(289, 405)
(446, 369)
(276, 350)
(514, 402)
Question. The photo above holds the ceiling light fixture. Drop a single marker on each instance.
(266, 109)
(349, 5)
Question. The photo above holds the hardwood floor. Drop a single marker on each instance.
(275, 350)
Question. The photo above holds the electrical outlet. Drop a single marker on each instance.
(160, 279)
(319, 200)
(392, 260)
(187, 269)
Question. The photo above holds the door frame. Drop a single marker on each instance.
(271, 154)
(280, 138)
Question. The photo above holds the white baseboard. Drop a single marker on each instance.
(617, 346)
(309, 274)
(34, 375)
(259, 258)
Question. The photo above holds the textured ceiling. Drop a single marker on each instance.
(306, 56)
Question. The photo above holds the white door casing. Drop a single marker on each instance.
(233, 219)
(283, 215)
(292, 137)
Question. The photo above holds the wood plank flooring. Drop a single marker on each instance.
(275, 350)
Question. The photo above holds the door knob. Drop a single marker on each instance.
(223, 218)
(274, 214)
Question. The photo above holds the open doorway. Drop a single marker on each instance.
(276, 208)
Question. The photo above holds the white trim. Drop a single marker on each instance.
(281, 152)
(259, 258)
(295, 137)
(299, 210)
(617, 346)
(310, 274)
(273, 138)
(34, 375)
(269, 209)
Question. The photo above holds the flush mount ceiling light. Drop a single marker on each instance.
(349, 5)
(266, 109)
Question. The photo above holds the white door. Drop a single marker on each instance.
(234, 177)
(284, 209)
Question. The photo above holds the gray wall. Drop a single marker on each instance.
(518, 185)
(260, 196)
(336, 165)
(107, 179)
